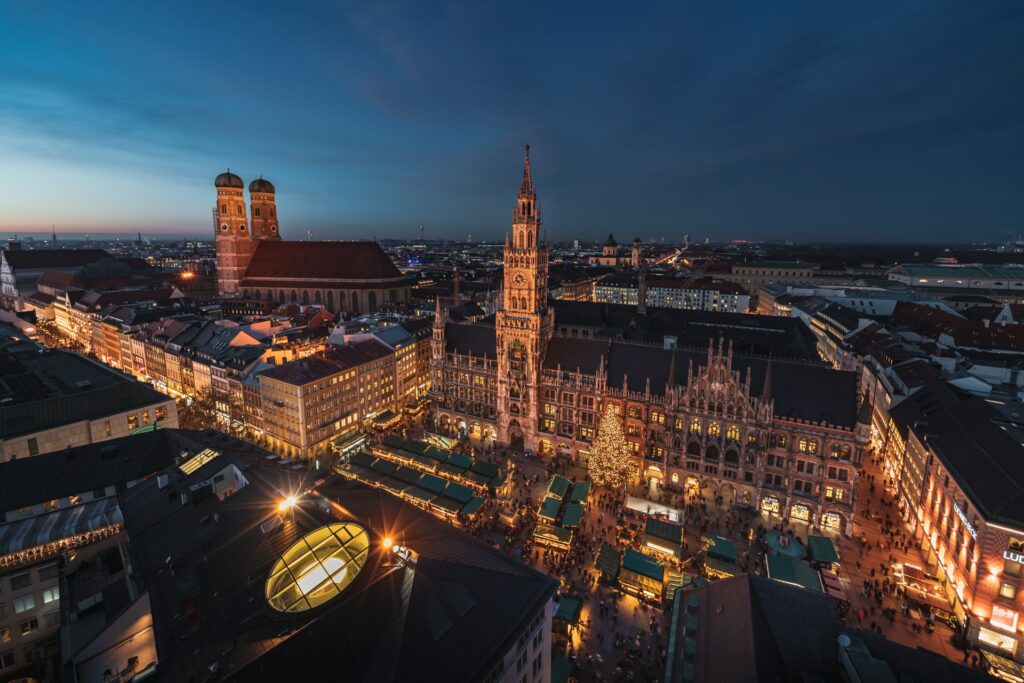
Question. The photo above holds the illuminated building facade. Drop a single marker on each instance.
(961, 485)
(782, 437)
(254, 262)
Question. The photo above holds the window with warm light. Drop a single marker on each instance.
(318, 567)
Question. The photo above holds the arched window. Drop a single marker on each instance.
(695, 426)
(355, 302)
(693, 448)
(256, 294)
(305, 296)
(373, 301)
(280, 296)
(808, 446)
(330, 300)
(732, 457)
(295, 296)
(318, 296)
(711, 453)
(733, 433)
(529, 240)
(714, 429)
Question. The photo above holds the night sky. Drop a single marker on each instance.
(804, 121)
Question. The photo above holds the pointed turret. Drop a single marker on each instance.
(526, 187)
(864, 417)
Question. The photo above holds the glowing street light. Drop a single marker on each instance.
(286, 504)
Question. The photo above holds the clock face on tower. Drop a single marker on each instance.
(519, 279)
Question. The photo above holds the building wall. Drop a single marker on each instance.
(529, 658)
(84, 432)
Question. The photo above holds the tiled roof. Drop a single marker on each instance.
(320, 261)
(478, 340)
(330, 362)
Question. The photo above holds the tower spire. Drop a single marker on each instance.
(526, 187)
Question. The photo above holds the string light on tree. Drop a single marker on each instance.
(609, 456)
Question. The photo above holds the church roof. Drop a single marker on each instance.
(321, 260)
(801, 391)
(750, 334)
(478, 340)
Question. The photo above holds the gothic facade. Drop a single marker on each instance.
(778, 436)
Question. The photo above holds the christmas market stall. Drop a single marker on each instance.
(642, 575)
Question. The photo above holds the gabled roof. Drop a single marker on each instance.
(276, 259)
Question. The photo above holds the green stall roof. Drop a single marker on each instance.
(460, 460)
(822, 549)
(432, 483)
(362, 458)
(459, 493)
(722, 548)
(580, 491)
(558, 487)
(408, 475)
(473, 506)
(421, 494)
(384, 467)
(393, 441)
(664, 530)
(417, 447)
(573, 515)
(643, 565)
(488, 469)
(793, 571)
(447, 504)
(563, 535)
(435, 453)
(569, 610)
(549, 508)
(608, 559)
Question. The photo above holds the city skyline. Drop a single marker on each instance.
(811, 126)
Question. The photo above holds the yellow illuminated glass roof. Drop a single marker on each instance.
(318, 567)
(198, 460)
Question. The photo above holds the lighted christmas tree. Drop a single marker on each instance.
(609, 456)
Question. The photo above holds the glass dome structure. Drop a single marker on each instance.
(318, 567)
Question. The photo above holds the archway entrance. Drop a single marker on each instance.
(728, 494)
(771, 507)
(799, 512)
(655, 479)
(515, 436)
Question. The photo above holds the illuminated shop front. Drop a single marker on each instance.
(770, 506)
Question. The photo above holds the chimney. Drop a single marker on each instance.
(162, 480)
(670, 342)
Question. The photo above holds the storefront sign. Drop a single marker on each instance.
(1000, 641)
(1004, 618)
(1015, 551)
(963, 518)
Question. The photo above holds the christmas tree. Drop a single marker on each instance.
(609, 456)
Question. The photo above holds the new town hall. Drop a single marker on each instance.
(735, 405)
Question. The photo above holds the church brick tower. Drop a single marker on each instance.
(264, 210)
(233, 243)
(523, 321)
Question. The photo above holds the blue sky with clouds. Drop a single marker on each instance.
(810, 121)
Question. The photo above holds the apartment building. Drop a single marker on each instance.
(309, 402)
(51, 400)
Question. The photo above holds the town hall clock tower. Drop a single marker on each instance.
(524, 323)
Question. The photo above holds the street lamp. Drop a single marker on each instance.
(287, 504)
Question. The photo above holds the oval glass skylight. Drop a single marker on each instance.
(318, 567)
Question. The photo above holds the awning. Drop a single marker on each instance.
(558, 487)
(385, 418)
(432, 483)
(487, 469)
(822, 549)
(460, 460)
(569, 610)
(573, 515)
(721, 548)
(721, 567)
(662, 530)
(552, 535)
(607, 561)
(473, 506)
(580, 492)
(639, 563)
(458, 492)
(561, 669)
(58, 525)
(793, 571)
(420, 494)
(549, 508)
